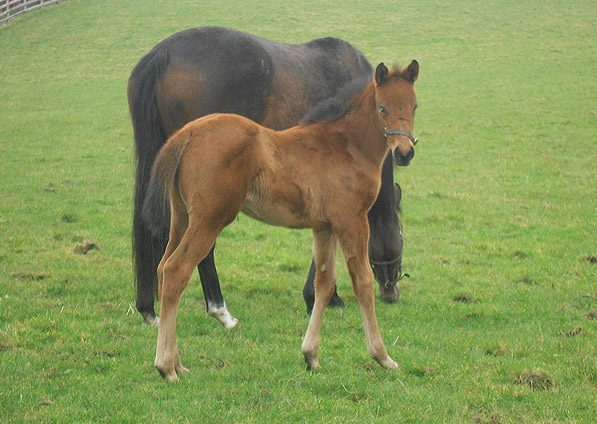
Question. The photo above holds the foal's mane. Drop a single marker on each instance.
(339, 105)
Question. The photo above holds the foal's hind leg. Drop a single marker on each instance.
(177, 271)
(325, 246)
(354, 242)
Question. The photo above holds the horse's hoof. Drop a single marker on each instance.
(336, 302)
(222, 315)
(151, 319)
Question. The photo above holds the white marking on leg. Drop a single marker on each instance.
(151, 320)
(222, 315)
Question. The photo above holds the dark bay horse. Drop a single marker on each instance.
(207, 70)
(324, 176)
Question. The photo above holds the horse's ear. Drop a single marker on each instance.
(398, 194)
(381, 74)
(412, 72)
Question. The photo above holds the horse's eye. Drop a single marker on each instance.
(383, 110)
(416, 106)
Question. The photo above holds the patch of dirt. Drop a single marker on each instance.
(423, 371)
(445, 261)
(464, 298)
(499, 350)
(574, 332)
(592, 314)
(29, 276)
(536, 380)
(591, 258)
(69, 219)
(50, 187)
(484, 419)
(85, 247)
(529, 281)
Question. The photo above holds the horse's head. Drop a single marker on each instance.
(385, 249)
(396, 104)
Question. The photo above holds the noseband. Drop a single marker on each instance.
(400, 132)
(386, 270)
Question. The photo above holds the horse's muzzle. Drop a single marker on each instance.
(402, 159)
(387, 274)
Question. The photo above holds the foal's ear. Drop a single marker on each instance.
(412, 72)
(381, 74)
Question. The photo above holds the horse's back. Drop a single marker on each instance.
(219, 70)
(212, 70)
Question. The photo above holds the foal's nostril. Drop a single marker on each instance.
(402, 159)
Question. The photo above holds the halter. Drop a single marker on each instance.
(400, 132)
(388, 284)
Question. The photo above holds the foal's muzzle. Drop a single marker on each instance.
(400, 158)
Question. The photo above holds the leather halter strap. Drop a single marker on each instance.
(399, 277)
(388, 132)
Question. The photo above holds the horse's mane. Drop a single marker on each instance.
(336, 107)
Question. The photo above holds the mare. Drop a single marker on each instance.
(324, 176)
(210, 69)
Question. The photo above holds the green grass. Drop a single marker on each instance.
(499, 219)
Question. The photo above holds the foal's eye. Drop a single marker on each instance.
(416, 106)
(383, 110)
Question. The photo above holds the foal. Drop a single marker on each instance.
(323, 176)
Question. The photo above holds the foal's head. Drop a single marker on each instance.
(396, 104)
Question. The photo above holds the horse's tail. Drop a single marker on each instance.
(149, 138)
(156, 207)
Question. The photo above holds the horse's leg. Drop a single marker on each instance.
(325, 246)
(309, 292)
(176, 271)
(216, 307)
(147, 250)
(354, 242)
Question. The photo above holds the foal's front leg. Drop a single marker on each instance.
(354, 243)
(325, 246)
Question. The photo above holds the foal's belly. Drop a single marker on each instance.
(290, 208)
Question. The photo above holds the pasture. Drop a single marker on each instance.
(497, 323)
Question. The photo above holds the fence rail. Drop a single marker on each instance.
(11, 8)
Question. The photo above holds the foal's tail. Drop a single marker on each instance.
(156, 207)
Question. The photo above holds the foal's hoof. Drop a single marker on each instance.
(389, 364)
(312, 362)
(170, 372)
(168, 376)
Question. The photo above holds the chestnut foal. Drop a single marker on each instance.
(323, 176)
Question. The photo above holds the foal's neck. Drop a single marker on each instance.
(362, 126)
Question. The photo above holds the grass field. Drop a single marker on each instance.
(497, 322)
